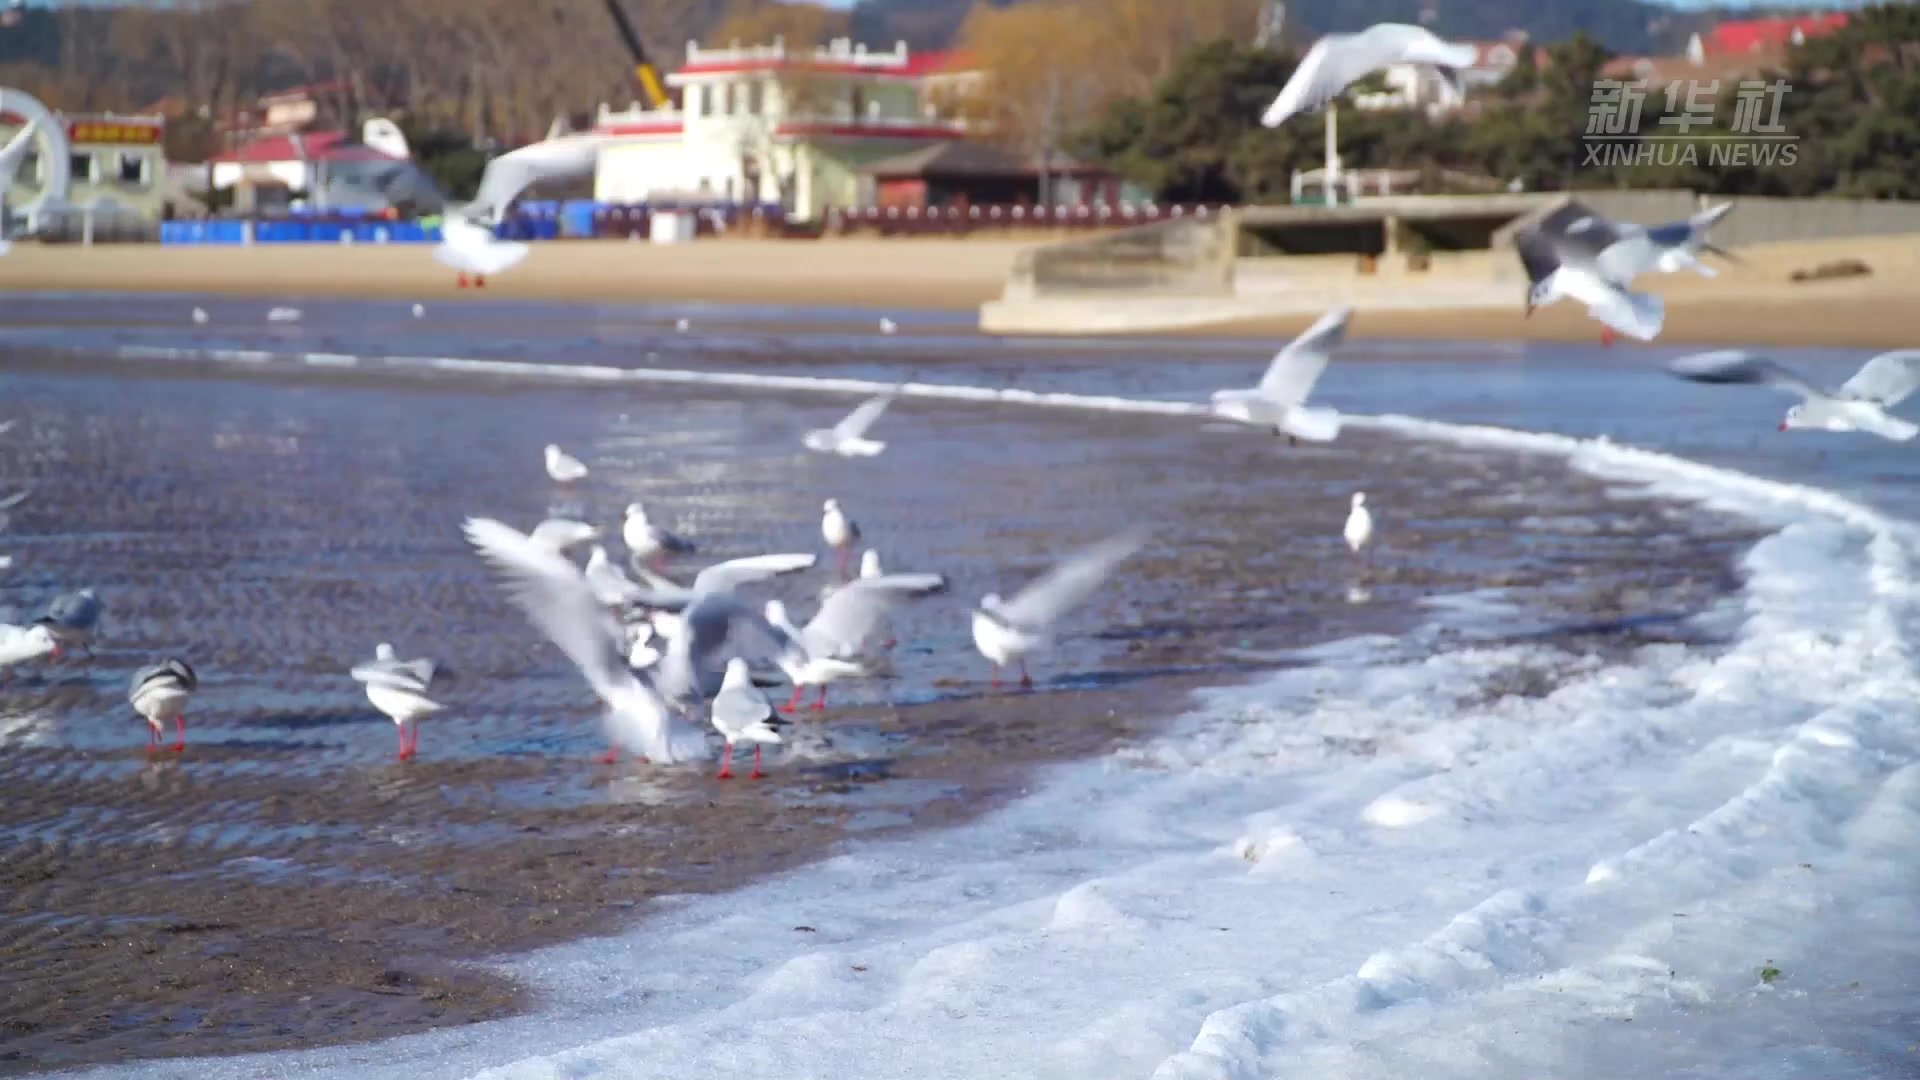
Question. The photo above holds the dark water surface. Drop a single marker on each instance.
(286, 882)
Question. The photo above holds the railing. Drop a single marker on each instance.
(957, 220)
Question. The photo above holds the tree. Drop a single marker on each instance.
(760, 22)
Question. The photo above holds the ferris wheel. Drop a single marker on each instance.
(38, 135)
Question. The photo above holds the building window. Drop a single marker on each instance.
(80, 168)
(859, 103)
(133, 170)
(756, 92)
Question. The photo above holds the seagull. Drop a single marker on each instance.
(642, 652)
(647, 541)
(20, 644)
(1359, 528)
(398, 688)
(559, 534)
(469, 247)
(839, 530)
(664, 594)
(554, 595)
(284, 314)
(741, 711)
(1563, 264)
(1280, 399)
(419, 311)
(848, 437)
(200, 316)
(1005, 631)
(159, 693)
(563, 467)
(1860, 404)
(888, 326)
(610, 584)
(1337, 61)
(833, 644)
(72, 618)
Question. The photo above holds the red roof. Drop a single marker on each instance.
(917, 65)
(1762, 35)
(318, 145)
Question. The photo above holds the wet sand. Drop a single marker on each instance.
(1752, 302)
(286, 883)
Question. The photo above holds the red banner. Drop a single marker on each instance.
(113, 131)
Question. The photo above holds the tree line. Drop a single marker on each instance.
(1841, 113)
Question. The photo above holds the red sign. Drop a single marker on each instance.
(113, 131)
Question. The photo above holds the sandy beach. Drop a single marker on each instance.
(1751, 302)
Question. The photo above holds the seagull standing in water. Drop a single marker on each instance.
(159, 693)
(740, 711)
(563, 467)
(398, 688)
(1281, 398)
(840, 532)
(1359, 528)
(647, 542)
(848, 437)
(72, 618)
(469, 247)
(1860, 403)
(1005, 631)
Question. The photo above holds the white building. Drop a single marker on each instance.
(763, 124)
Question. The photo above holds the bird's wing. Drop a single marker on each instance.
(15, 152)
(730, 575)
(1887, 379)
(740, 708)
(1069, 583)
(1638, 315)
(410, 675)
(1537, 255)
(15, 499)
(511, 173)
(859, 420)
(76, 610)
(1418, 45)
(1578, 233)
(1737, 366)
(1290, 378)
(555, 597)
(851, 615)
(1314, 81)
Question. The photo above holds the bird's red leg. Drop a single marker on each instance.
(995, 680)
(608, 758)
(821, 701)
(153, 740)
(461, 281)
(400, 732)
(413, 740)
(756, 773)
(1026, 680)
(794, 701)
(180, 739)
(726, 765)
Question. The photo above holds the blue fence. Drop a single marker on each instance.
(531, 220)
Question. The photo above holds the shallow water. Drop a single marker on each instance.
(272, 529)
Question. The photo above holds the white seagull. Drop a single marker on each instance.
(470, 248)
(72, 618)
(20, 644)
(419, 311)
(1280, 401)
(563, 467)
(840, 531)
(1005, 631)
(888, 326)
(554, 595)
(835, 643)
(398, 688)
(200, 316)
(740, 711)
(1565, 265)
(1337, 61)
(1860, 404)
(664, 594)
(1359, 528)
(159, 693)
(848, 437)
(1625, 250)
(284, 314)
(649, 542)
(610, 584)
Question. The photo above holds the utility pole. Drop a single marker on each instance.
(1273, 18)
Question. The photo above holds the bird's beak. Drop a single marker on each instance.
(1783, 425)
(1529, 307)
(56, 652)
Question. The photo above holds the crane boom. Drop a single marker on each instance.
(643, 69)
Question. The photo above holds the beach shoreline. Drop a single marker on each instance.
(1751, 303)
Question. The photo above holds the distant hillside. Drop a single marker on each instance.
(1621, 25)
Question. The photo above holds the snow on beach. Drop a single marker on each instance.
(1385, 861)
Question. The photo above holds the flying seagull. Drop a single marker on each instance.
(1005, 631)
(848, 438)
(1563, 264)
(1337, 61)
(1281, 398)
(1860, 404)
